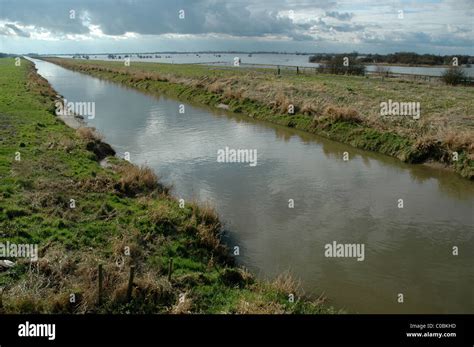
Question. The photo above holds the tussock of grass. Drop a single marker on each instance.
(344, 114)
(89, 134)
(286, 284)
(309, 108)
(459, 140)
(135, 180)
(282, 102)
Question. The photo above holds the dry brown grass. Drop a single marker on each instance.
(49, 283)
(309, 108)
(345, 114)
(149, 288)
(457, 140)
(259, 307)
(240, 93)
(228, 93)
(209, 236)
(205, 223)
(183, 305)
(126, 249)
(216, 87)
(137, 179)
(426, 142)
(286, 284)
(40, 85)
(160, 214)
(89, 134)
(282, 102)
(98, 184)
(205, 213)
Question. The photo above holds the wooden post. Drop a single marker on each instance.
(297, 70)
(130, 282)
(101, 278)
(170, 269)
(278, 68)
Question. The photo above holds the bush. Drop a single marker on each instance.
(453, 76)
(336, 66)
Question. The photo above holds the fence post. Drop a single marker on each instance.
(170, 269)
(101, 278)
(297, 70)
(130, 282)
(278, 68)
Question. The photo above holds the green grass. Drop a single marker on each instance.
(147, 222)
(446, 124)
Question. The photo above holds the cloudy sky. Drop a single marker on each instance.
(370, 26)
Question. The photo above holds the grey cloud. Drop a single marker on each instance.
(416, 39)
(155, 17)
(236, 18)
(17, 30)
(343, 16)
(348, 27)
(4, 31)
(321, 25)
(49, 14)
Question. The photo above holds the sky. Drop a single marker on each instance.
(116, 26)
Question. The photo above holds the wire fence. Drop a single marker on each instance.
(310, 70)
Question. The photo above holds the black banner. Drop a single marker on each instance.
(442, 330)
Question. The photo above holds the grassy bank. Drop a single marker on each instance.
(120, 216)
(342, 108)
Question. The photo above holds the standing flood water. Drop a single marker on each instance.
(408, 250)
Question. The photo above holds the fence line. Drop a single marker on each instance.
(314, 70)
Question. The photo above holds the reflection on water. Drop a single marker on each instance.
(407, 250)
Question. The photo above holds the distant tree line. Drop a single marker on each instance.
(342, 65)
(8, 55)
(408, 58)
(80, 56)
